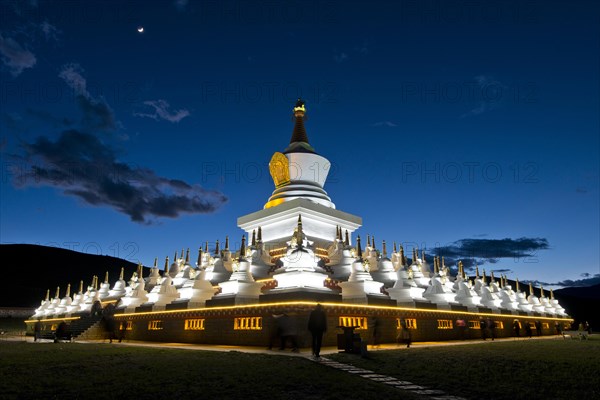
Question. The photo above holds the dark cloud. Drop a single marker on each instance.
(481, 251)
(588, 281)
(81, 165)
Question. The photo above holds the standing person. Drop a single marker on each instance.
(317, 325)
(37, 330)
(517, 328)
(492, 326)
(557, 327)
(462, 326)
(376, 332)
(288, 332)
(538, 328)
(483, 327)
(404, 335)
(528, 329)
(275, 330)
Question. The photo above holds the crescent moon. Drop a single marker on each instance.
(140, 29)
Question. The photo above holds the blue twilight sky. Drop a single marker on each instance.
(469, 128)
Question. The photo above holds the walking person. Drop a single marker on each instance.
(376, 332)
(528, 329)
(317, 325)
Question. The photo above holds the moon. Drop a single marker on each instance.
(140, 29)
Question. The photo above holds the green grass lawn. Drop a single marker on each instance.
(524, 369)
(103, 371)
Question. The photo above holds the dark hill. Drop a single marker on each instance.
(581, 303)
(30, 270)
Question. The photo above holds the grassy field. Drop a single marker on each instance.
(103, 371)
(516, 369)
(525, 369)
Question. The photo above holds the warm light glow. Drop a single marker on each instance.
(444, 324)
(155, 325)
(31, 321)
(411, 323)
(358, 322)
(247, 323)
(194, 324)
(330, 305)
(274, 203)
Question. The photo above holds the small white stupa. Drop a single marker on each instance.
(241, 285)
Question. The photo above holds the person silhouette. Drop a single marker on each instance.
(317, 325)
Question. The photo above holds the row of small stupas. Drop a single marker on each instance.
(346, 270)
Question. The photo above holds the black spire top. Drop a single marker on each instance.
(299, 141)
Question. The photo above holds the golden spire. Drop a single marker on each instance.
(57, 292)
(436, 266)
(517, 284)
(530, 289)
(483, 277)
(253, 242)
(199, 262)
(181, 254)
(541, 291)
(476, 272)
(155, 262)
(175, 257)
(187, 256)
(68, 293)
(414, 257)
(227, 242)
(259, 234)
(106, 277)
(206, 247)
(384, 249)
(368, 240)
(122, 272)
(167, 265)
(47, 294)
(551, 294)
(423, 256)
(395, 248)
(491, 276)
(140, 271)
(80, 287)
(347, 238)
(373, 242)
(358, 249)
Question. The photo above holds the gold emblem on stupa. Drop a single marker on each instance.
(279, 169)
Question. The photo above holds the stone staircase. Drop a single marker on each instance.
(88, 327)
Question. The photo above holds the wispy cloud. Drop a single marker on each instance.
(97, 114)
(15, 57)
(385, 123)
(340, 57)
(162, 111)
(490, 92)
(81, 165)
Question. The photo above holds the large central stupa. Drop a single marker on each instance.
(297, 251)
